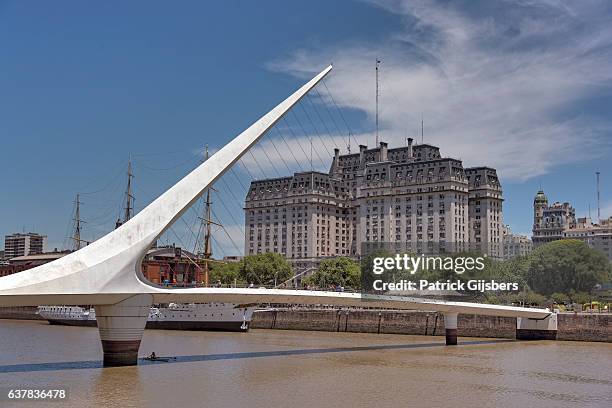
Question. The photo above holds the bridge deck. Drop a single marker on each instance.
(202, 295)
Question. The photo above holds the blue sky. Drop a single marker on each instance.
(522, 86)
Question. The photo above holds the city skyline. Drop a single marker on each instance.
(90, 115)
(235, 232)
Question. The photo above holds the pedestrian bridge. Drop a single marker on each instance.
(107, 273)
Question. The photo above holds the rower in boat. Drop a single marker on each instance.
(154, 357)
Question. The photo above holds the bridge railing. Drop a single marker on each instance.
(249, 286)
(328, 289)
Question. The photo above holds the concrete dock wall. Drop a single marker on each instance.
(585, 327)
(578, 327)
(581, 327)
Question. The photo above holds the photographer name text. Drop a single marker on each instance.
(479, 285)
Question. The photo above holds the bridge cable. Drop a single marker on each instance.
(241, 226)
(181, 164)
(180, 241)
(329, 153)
(338, 109)
(297, 162)
(69, 225)
(306, 156)
(280, 155)
(329, 113)
(238, 178)
(219, 246)
(309, 136)
(308, 99)
(246, 168)
(271, 161)
(228, 188)
(336, 105)
(263, 173)
(227, 233)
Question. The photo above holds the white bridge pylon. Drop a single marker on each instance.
(107, 273)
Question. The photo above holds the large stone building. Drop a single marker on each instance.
(558, 221)
(410, 195)
(515, 244)
(19, 244)
(551, 221)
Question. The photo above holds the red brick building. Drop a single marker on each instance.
(166, 265)
(172, 266)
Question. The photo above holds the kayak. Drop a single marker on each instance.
(160, 359)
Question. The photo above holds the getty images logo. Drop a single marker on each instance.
(412, 264)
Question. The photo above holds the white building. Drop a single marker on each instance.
(515, 244)
(24, 244)
(558, 221)
(598, 236)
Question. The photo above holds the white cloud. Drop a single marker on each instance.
(494, 90)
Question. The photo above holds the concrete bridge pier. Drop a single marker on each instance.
(450, 324)
(121, 327)
(537, 329)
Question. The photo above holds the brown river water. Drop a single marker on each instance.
(297, 369)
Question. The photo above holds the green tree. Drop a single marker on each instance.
(579, 297)
(228, 273)
(559, 298)
(367, 266)
(337, 271)
(564, 265)
(265, 269)
(511, 270)
(529, 297)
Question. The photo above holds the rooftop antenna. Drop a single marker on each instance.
(598, 207)
(589, 210)
(348, 145)
(377, 63)
(422, 128)
(310, 153)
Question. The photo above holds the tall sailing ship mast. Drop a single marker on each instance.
(203, 249)
(129, 198)
(76, 237)
(206, 253)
